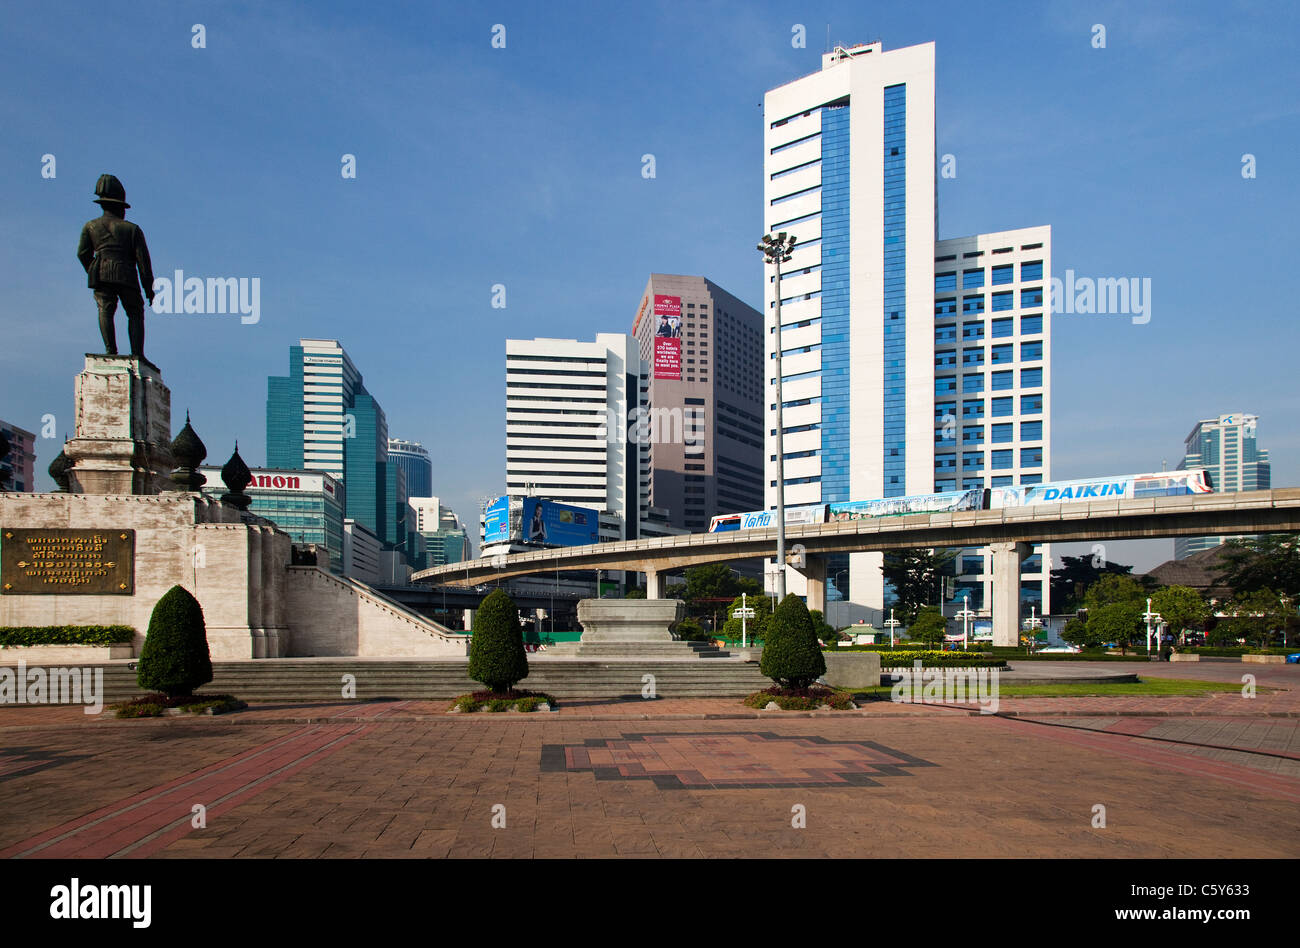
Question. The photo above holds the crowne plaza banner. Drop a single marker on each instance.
(668, 338)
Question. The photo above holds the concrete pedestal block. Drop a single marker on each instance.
(1264, 659)
(616, 628)
(1184, 657)
(852, 669)
(122, 441)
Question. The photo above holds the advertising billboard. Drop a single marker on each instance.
(545, 522)
(897, 506)
(496, 521)
(668, 338)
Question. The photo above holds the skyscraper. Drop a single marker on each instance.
(17, 469)
(1226, 447)
(413, 458)
(884, 391)
(320, 417)
(706, 394)
(569, 406)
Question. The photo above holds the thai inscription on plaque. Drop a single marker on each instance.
(57, 561)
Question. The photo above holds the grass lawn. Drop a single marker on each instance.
(1149, 686)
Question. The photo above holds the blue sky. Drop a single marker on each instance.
(522, 166)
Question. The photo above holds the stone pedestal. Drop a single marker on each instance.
(123, 428)
(633, 629)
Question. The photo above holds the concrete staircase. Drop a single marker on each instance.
(289, 679)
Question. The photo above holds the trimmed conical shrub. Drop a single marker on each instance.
(791, 655)
(175, 658)
(496, 650)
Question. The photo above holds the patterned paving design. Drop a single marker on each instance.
(734, 761)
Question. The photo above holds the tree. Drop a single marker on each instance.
(791, 655)
(1181, 607)
(929, 626)
(1114, 622)
(175, 658)
(1075, 575)
(1255, 615)
(1267, 562)
(496, 649)
(915, 576)
(1076, 633)
(1114, 588)
(717, 581)
(825, 631)
(635, 592)
(690, 630)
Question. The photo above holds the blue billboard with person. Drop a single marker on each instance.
(546, 523)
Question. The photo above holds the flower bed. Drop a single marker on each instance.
(524, 701)
(156, 705)
(801, 699)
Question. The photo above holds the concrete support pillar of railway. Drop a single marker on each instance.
(1007, 558)
(653, 585)
(814, 571)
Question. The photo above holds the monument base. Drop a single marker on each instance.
(632, 628)
(122, 440)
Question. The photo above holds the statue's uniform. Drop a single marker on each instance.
(112, 249)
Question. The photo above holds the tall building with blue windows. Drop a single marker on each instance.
(320, 417)
(893, 364)
(413, 458)
(1227, 448)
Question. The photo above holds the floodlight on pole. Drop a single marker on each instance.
(776, 251)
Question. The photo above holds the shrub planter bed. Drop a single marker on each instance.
(66, 644)
(492, 701)
(65, 654)
(940, 660)
(158, 705)
(801, 699)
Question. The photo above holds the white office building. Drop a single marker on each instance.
(568, 405)
(1227, 448)
(849, 170)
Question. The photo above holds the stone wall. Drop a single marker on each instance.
(332, 616)
(234, 568)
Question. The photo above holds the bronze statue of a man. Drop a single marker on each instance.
(111, 250)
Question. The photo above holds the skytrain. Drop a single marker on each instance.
(1127, 486)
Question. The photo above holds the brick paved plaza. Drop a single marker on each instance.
(667, 778)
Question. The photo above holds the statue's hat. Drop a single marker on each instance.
(108, 188)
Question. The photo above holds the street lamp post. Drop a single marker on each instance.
(776, 251)
(839, 609)
(1151, 617)
(893, 624)
(965, 615)
(1032, 625)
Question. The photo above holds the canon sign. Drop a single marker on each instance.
(276, 480)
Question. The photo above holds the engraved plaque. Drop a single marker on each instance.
(57, 561)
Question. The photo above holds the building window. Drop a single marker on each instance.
(972, 357)
(1031, 478)
(972, 330)
(972, 409)
(946, 358)
(1003, 327)
(973, 435)
(1029, 405)
(972, 304)
(1031, 325)
(972, 383)
(1004, 433)
(1003, 274)
(1003, 380)
(1031, 378)
(970, 279)
(1031, 270)
(945, 334)
(1003, 460)
(1002, 301)
(1031, 431)
(945, 281)
(1003, 353)
(946, 307)
(945, 386)
(973, 461)
(1031, 298)
(1003, 407)
(1031, 351)
(1031, 457)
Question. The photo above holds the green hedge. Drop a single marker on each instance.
(1235, 652)
(66, 635)
(930, 659)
